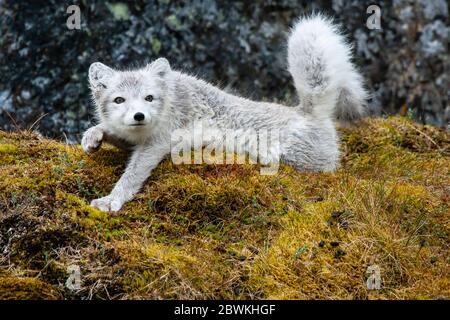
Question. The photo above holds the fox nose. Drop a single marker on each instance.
(139, 116)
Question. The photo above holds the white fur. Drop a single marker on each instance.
(327, 83)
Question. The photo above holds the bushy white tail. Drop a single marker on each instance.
(319, 60)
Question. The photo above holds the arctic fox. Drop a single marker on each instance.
(140, 109)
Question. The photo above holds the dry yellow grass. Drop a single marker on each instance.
(210, 232)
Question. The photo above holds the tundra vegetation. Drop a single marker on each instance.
(225, 231)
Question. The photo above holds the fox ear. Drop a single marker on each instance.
(99, 75)
(160, 66)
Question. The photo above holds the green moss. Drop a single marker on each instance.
(12, 288)
(225, 231)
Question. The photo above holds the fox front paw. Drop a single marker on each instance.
(107, 204)
(92, 140)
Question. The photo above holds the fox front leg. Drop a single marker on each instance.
(143, 160)
(92, 139)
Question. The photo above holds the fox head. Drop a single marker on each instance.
(130, 101)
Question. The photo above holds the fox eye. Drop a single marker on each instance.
(119, 100)
(149, 98)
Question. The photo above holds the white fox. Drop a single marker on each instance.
(140, 109)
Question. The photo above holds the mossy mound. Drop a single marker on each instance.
(225, 231)
(14, 288)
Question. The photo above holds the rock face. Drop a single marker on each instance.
(241, 44)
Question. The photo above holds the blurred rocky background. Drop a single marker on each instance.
(241, 44)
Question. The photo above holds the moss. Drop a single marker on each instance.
(12, 288)
(225, 231)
